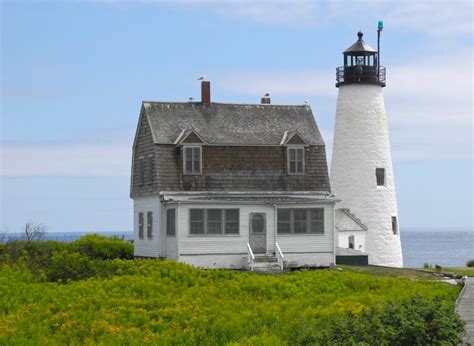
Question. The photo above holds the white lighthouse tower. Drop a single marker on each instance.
(361, 170)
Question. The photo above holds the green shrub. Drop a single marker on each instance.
(470, 263)
(100, 247)
(426, 265)
(69, 266)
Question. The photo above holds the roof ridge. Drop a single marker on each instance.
(225, 103)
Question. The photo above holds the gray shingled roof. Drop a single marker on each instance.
(237, 124)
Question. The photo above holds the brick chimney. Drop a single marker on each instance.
(265, 100)
(206, 92)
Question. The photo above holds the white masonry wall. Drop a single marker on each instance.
(147, 247)
(361, 144)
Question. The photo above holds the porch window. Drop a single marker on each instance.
(192, 160)
(316, 220)
(171, 222)
(231, 218)
(140, 225)
(149, 225)
(196, 217)
(300, 221)
(284, 221)
(214, 221)
(295, 160)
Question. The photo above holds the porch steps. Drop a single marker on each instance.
(266, 264)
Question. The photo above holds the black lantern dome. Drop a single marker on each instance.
(360, 65)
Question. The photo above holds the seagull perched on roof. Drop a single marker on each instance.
(266, 95)
(190, 98)
(306, 102)
(202, 78)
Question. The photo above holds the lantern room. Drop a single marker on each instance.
(361, 65)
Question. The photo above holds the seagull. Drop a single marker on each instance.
(202, 78)
(306, 102)
(266, 95)
(190, 98)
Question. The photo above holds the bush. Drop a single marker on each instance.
(96, 246)
(69, 266)
(470, 263)
(426, 265)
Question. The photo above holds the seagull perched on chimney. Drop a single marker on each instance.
(306, 102)
(202, 78)
(266, 95)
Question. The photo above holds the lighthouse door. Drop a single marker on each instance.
(258, 233)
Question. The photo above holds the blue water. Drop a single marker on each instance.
(446, 248)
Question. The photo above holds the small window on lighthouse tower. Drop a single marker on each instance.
(380, 175)
(394, 225)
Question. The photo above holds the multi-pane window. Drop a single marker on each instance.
(380, 175)
(196, 217)
(149, 225)
(214, 221)
(140, 225)
(284, 221)
(394, 225)
(192, 160)
(231, 224)
(295, 160)
(171, 222)
(300, 221)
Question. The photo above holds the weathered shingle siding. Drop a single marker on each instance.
(144, 147)
(238, 168)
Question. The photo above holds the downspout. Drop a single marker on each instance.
(178, 229)
(275, 230)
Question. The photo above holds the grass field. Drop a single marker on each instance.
(92, 291)
(169, 303)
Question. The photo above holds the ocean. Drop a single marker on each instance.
(446, 248)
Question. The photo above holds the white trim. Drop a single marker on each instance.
(179, 137)
(284, 138)
(295, 147)
(192, 160)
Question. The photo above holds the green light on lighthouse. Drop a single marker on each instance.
(380, 25)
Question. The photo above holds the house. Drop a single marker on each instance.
(231, 185)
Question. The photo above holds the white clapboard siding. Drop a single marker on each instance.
(147, 247)
(222, 244)
(311, 243)
(237, 244)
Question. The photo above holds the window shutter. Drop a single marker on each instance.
(140, 170)
(149, 226)
(140, 225)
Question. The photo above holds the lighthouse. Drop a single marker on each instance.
(361, 170)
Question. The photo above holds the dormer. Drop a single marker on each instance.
(191, 142)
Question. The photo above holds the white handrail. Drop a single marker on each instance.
(279, 256)
(251, 256)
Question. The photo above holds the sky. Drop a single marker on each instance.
(74, 74)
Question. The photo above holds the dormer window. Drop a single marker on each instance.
(295, 160)
(192, 159)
